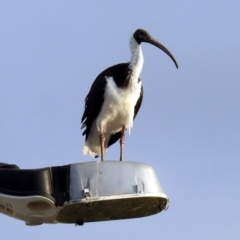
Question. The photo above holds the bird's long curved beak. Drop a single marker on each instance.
(159, 45)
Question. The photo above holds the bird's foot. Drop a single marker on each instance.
(122, 138)
(102, 140)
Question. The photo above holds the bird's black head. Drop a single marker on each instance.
(142, 35)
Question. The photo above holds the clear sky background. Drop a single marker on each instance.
(188, 127)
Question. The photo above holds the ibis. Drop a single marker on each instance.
(115, 98)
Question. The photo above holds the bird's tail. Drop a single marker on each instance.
(92, 145)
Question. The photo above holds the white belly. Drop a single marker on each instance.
(117, 112)
(118, 108)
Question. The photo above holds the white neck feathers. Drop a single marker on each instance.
(136, 62)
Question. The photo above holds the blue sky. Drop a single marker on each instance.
(187, 128)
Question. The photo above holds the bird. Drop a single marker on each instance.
(115, 98)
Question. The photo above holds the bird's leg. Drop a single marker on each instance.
(122, 137)
(102, 140)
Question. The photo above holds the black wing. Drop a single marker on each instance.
(95, 98)
(93, 104)
(115, 137)
(139, 102)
